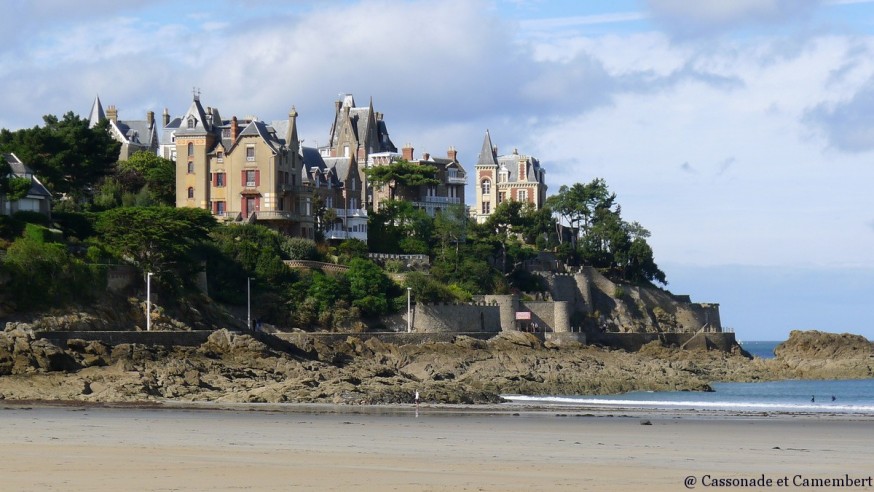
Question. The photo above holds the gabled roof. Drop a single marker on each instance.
(201, 123)
(21, 170)
(487, 155)
(138, 132)
(266, 132)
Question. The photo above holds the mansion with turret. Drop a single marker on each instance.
(248, 170)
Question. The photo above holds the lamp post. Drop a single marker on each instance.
(409, 315)
(249, 302)
(149, 301)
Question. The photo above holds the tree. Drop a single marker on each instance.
(579, 204)
(155, 239)
(401, 228)
(403, 174)
(504, 224)
(66, 153)
(368, 286)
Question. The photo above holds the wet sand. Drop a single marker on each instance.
(350, 448)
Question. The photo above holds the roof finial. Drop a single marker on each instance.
(195, 91)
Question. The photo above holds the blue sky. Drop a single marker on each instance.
(739, 132)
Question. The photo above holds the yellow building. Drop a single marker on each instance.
(514, 176)
(242, 170)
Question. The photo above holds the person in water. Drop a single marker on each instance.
(812, 399)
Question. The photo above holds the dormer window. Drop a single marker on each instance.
(191, 122)
(220, 156)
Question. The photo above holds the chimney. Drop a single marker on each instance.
(407, 152)
(166, 117)
(234, 129)
(112, 113)
(150, 117)
(452, 154)
(426, 156)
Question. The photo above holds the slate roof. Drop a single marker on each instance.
(21, 170)
(96, 113)
(487, 155)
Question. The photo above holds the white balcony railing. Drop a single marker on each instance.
(441, 199)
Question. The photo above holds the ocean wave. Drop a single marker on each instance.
(693, 405)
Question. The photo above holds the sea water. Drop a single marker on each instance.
(843, 396)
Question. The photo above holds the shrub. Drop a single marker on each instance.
(298, 248)
(31, 217)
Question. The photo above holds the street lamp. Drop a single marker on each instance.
(249, 302)
(149, 301)
(409, 316)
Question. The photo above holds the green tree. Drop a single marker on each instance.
(401, 174)
(156, 239)
(399, 227)
(578, 204)
(369, 287)
(66, 153)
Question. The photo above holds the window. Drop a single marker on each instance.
(190, 192)
(487, 207)
(220, 179)
(250, 178)
(220, 156)
(346, 151)
(250, 153)
(220, 208)
(226, 132)
(190, 167)
(523, 195)
(487, 186)
(191, 122)
(190, 149)
(329, 202)
(501, 197)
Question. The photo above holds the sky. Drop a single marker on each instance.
(740, 133)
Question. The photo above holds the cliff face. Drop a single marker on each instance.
(599, 304)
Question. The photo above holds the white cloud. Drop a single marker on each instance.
(708, 17)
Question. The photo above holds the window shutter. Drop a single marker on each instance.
(257, 177)
(242, 178)
(214, 207)
(243, 206)
(257, 199)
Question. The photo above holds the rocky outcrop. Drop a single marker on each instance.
(231, 367)
(819, 355)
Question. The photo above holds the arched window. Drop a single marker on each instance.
(190, 192)
(487, 186)
(190, 148)
(190, 167)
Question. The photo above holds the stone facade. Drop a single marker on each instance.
(515, 176)
(243, 170)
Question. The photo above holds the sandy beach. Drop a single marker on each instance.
(348, 448)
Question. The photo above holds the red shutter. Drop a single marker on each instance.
(257, 199)
(257, 178)
(243, 206)
(243, 178)
(214, 207)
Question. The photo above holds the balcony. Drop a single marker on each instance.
(459, 178)
(438, 199)
(298, 189)
(340, 234)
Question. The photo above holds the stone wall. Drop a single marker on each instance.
(316, 265)
(300, 339)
